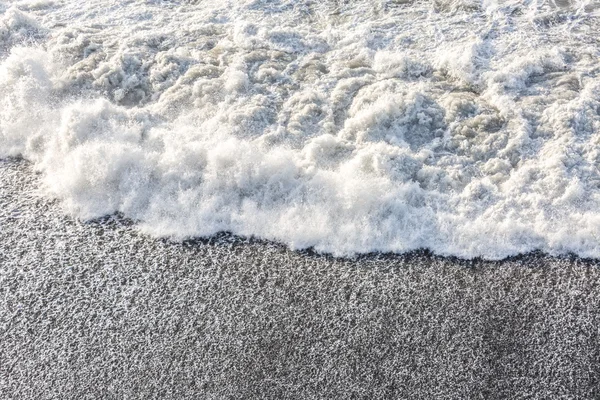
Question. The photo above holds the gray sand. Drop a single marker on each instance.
(99, 311)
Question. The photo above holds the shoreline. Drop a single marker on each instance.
(23, 166)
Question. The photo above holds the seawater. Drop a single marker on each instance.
(470, 128)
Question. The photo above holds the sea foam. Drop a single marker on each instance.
(470, 128)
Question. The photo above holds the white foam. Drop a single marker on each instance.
(469, 128)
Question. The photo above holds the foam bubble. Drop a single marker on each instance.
(469, 128)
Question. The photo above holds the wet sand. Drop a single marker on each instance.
(97, 310)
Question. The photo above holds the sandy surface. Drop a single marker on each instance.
(97, 310)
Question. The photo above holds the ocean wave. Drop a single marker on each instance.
(470, 128)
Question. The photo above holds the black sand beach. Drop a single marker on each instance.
(97, 310)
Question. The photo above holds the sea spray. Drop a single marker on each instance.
(471, 128)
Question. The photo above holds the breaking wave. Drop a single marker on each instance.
(471, 128)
